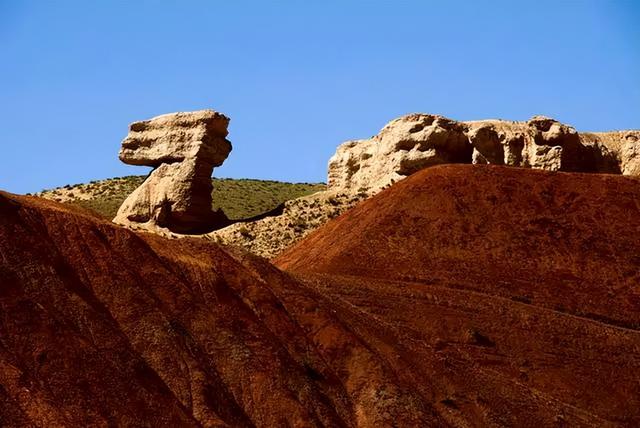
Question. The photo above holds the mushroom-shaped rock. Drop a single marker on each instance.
(183, 148)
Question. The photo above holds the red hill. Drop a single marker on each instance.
(378, 325)
(564, 241)
(103, 326)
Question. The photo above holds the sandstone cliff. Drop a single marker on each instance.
(413, 142)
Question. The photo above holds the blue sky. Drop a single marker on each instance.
(296, 77)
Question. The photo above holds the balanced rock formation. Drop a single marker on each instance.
(183, 148)
(413, 142)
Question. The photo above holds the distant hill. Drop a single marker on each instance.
(238, 198)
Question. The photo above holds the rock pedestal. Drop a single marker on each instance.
(183, 148)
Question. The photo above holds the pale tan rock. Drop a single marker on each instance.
(496, 142)
(349, 158)
(183, 148)
(402, 147)
(410, 143)
(621, 146)
(360, 168)
(629, 153)
(537, 143)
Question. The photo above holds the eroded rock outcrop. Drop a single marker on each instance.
(622, 146)
(183, 148)
(413, 142)
(404, 146)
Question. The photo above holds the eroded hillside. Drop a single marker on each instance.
(463, 296)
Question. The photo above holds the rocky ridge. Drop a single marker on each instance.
(361, 168)
(416, 141)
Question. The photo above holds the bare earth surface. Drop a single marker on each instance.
(461, 296)
(567, 241)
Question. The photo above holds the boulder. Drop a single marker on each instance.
(410, 143)
(183, 149)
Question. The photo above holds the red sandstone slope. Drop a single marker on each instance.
(514, 295)
(568, 242)
(99, 325)
(102, 325)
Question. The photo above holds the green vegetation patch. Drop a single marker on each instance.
(245, 198)
(238, 198)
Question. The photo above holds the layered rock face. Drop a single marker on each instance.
(413, 142)
(183, 148)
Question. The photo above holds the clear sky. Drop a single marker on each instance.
(296, 77)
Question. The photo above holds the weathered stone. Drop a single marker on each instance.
(620, 147)
(402, 147)
(496, 142)
(410, 143)
(183, 148)
(537, 143)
